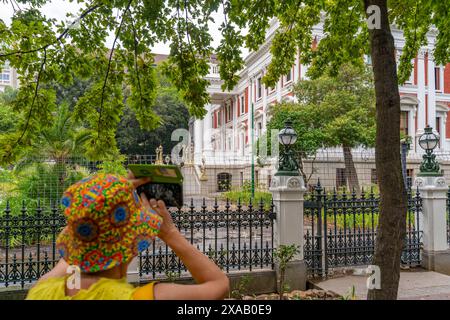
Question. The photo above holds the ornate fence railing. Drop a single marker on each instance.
(448, 215)
(236, 237)
(340, 230)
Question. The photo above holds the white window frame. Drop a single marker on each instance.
(259, 88)
(441, 79)
(286, 81)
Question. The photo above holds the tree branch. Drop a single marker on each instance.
(36, 90)
(60, 37)
(135, 59)
(109, 66)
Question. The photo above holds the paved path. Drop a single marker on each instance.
(414, 285)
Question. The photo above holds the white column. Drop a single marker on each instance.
(411, 126)
(296, 73)
(263, 118)
(198, 140)
(235, 132)
(249, 117)
(279, 91)
(303, 70)
(442, 133)
(420, 95)
(431, 92)
(207, 132)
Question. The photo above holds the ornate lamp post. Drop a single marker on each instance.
(429, 141)
(287, 164)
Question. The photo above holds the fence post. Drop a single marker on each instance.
(288, 196)
(436, 254)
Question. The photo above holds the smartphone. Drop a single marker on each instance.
(166, 183)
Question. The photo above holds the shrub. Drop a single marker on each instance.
(244, 194)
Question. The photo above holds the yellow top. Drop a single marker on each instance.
(103, 289)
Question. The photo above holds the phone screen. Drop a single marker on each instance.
(170, 193)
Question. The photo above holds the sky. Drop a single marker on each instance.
(58, 9)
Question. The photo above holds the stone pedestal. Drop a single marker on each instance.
(436, 254)
(287, 193)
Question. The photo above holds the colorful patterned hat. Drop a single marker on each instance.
(107, 224)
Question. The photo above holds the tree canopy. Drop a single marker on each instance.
(333, 111)
(131, 139)
(44, 50)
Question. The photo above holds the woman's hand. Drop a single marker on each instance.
(137, 181)
(168, 229)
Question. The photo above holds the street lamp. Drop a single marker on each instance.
(428, 141)
(287, 164)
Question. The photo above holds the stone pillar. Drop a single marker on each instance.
(436, 254)
(287, 193)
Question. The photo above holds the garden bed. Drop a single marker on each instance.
(312, 294)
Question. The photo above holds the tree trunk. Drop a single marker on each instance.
(350, 170)
(392, 217)
(281, 283)
(302, 169)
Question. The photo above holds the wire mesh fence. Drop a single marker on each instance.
(217, 175)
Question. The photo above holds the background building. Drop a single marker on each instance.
(224, 137)
(8, 77)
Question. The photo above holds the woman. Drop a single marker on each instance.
(107, 225)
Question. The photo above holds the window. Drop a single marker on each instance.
(228, 113)
(258, 88)
(437, 78)
(223, 182)
(256, 178)
(409, 177)
(438, 129)
(404, 122)
(373, 176)
(241, 178)
(289, 76)
(341, 180)
(219, 118)
(259, 129)
(242, 104)
(269, 180)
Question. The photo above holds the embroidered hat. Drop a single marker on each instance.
(107, 224)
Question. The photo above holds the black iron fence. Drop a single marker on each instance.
(340, 230)
(448, 215)
(236, 237)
